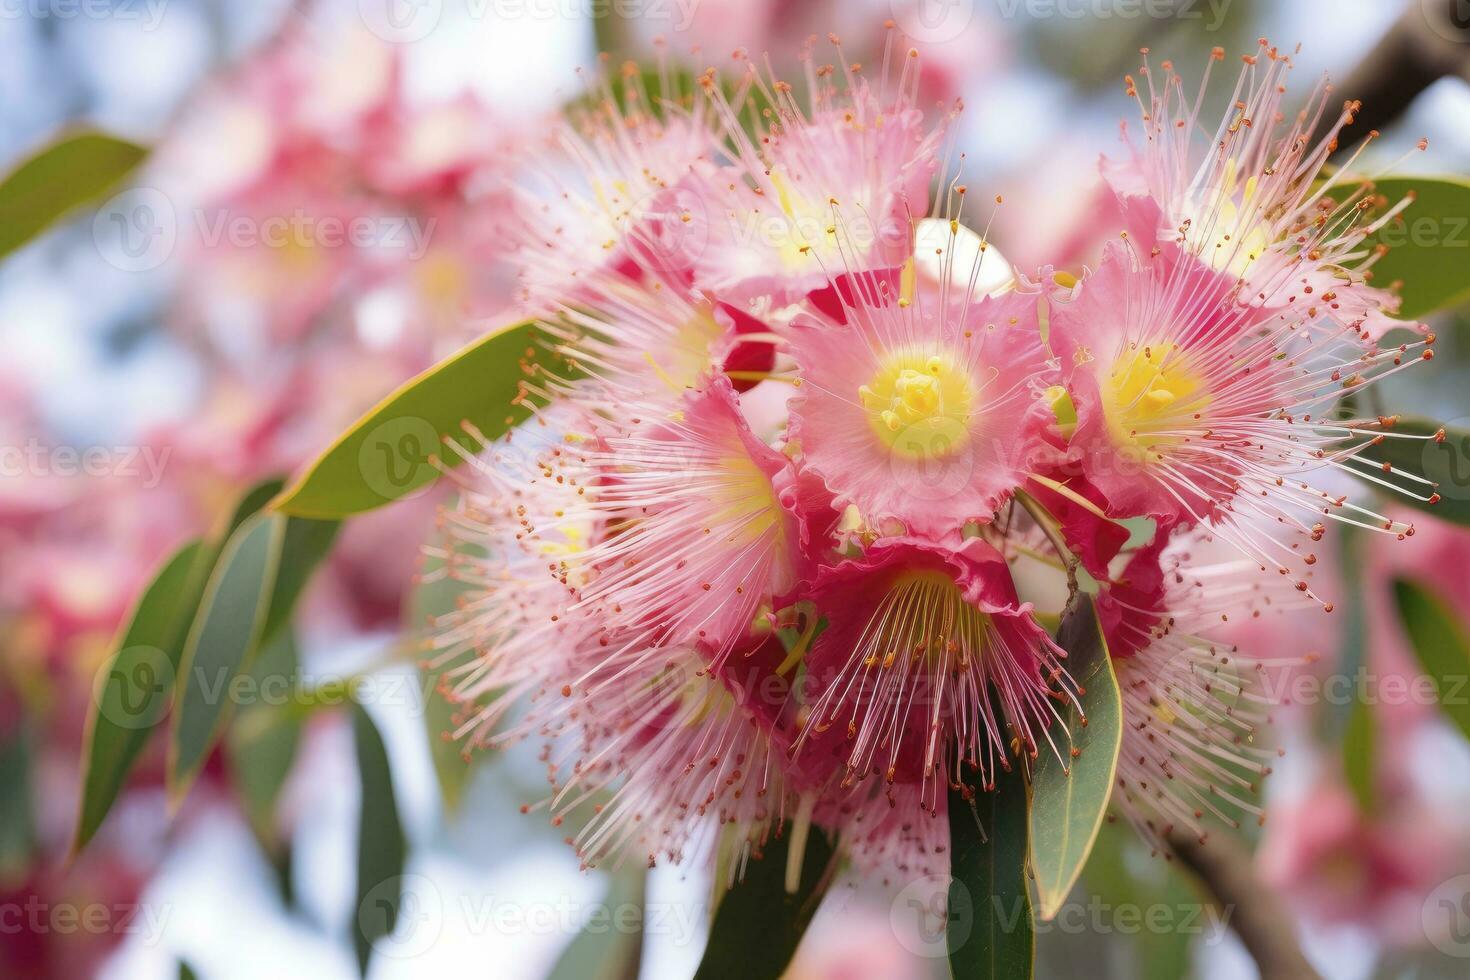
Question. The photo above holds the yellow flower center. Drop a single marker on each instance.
(1152, 397)
(919, 405)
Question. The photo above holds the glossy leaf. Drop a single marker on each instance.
(610, 945)
(389, 453)
(426, 602)
(1070, 796)
(1443, 461)
(1350, 724)
(1440, 643)
(381, 847)
(1358, 751)
(304, 546)
(17, 804)
(1428, 244)
(261, 743)
(759, 923)
(135, 688)
(990, 935)
(75, 170)
(1123, 873)
(225, 635)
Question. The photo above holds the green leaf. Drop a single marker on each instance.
(255, 500)
(759, 923)
(136, 686)
(139, 683)
(261, 743)
(17, 806)
(1439, 642)
(225, 635)
(389, 453)
(75, 170)
(1122, 872)
(305, 545)
(1351, 725)
(990, 933)
(425, 603)
(381, 846)
(1070, 797)
(1444, 461)
(1428, 244)
(610, 945)
(1358, 754)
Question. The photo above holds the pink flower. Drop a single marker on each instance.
(1248, 203)
(1195, 706)
(593, 199)
(703, 534)
(921, 411)
(1192, 407)
(928, 661)
(1340, 865)
(835, 184)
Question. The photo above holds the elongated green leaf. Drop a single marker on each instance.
(136, 687)
(1440, 643)
(138, 684)
(225, 635)
(1122, 873)
(990, 932)
(1070, 797)
(261, 743)
(1358, 751)
(252, 502)
(1443, 460)
(389, 453)
(426, 602)
(1428, 244)
(381, 846)
(17, 805)
(759, 923)
(303, 548)
(610, 945)
(1351, 725)
(75, 170)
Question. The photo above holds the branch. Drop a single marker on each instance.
(1425, 44)
(1257, 914)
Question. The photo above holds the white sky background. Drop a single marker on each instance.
(59, 304)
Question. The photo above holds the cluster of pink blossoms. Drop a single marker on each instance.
(811, 482)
